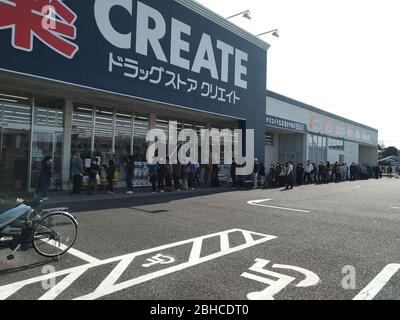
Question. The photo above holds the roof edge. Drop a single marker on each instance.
(303, 105)
(223, 22)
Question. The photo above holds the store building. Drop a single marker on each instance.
(299, 132)
(102, 73)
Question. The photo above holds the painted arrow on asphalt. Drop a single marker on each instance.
(258, 203)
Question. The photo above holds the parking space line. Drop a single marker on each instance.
(258, 204)
(79, 254)
(377, 284)
(108, 285)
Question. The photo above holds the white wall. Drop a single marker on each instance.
(271, 152)
(368, 155)
(351, 152)
(320, 123)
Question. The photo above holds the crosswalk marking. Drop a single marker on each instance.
(109, 286)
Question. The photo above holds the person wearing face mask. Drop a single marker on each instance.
(44, 178)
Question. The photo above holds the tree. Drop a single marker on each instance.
(390, 151)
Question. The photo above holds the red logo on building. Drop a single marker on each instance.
(50, 21)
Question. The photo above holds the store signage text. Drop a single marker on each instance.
(151, 29)
(286, 124)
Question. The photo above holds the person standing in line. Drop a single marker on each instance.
(289, 176)
(232, 172)
(272, 176)
(256, 170)
(44, 178)
(390, 172)
(282, 176)
(130, 168)
(308, 171)
(261, 173)
(77, 174)
(184, 176)
(153, 170)
(94, 172)
(214, 176)
(111, 175)
(176, 170)
(207, 173)
(278, 171)
(168, 176)
(161, 177)
(299, 174)
(191, 175)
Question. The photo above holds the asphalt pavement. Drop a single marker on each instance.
(316, 242)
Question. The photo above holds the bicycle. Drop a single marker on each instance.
(23, 225)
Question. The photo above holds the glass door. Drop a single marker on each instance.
(46, 144)
(14, 145)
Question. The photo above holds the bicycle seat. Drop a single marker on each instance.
(35, 204)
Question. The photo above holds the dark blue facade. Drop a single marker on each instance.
(138, 75)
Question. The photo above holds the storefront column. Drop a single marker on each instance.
(152, 121)
(66, 150)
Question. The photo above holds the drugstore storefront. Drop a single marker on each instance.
(102, 84)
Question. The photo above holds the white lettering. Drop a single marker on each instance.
(240, 69)
(200, 62)
(226, 51)
(102, 10)
(178, 45)
(145, 35)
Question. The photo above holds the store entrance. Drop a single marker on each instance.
(14, 145)
(46, 143)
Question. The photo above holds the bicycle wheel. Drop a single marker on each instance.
(54, 234)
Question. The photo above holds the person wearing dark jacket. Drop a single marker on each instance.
(77, 173)
(111, 175)
(272, 176)
(261, 174)
(232, 172)
(214, 176)
(130, 169)
(168, 176)
(161, 177)
(44, 178)
(299, 174)
(176, 172)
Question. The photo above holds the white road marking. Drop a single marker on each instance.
(81, 255)
(396, 208)
(258, 203)
(377, 284)
(279, 282)
(55, 291)
(108, 285)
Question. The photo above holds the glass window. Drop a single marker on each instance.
(140, 144)
(82, 129)
(315, 141)
(14, 113)
(123, 139)
(103, 135)
(50, 116)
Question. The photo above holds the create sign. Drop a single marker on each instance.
(155, 50)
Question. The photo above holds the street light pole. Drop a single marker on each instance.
(245, 14)
(275, 33)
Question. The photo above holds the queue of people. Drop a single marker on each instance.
(287, 175)
(169, 177)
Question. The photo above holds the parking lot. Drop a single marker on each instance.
(319, 242)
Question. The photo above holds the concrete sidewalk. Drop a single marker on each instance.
(66, 197)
